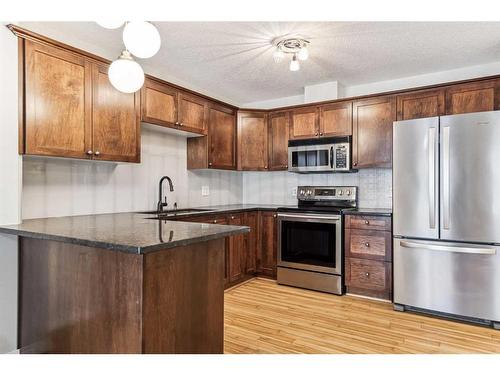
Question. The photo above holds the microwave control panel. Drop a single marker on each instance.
(341, 157)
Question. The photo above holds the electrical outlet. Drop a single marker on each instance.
(294, 192)
(205, 191)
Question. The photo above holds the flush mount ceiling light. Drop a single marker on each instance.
(125, 74)
(296, 47)
(141, 39)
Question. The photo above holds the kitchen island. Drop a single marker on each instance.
(121, 283)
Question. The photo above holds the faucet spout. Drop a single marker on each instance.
(161, 204)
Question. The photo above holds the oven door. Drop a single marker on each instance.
(311, 158)
(310, 242)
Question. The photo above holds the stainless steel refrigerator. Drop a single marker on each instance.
(446, 204)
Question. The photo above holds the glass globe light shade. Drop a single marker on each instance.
(141, 38)
(278, 55)
(303, 54)
(125, 74)
(110, 23)
(294, 64)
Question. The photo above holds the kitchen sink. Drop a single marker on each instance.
(176, 212)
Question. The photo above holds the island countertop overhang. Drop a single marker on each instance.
(126, 232)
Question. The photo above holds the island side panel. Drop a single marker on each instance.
(184, 299)
(78, 299)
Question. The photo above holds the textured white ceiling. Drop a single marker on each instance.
(233, 60)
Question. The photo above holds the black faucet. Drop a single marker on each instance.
(161, 204)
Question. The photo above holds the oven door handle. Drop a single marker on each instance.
(332, 218)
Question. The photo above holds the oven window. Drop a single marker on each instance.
(308, 243)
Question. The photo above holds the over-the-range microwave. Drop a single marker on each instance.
(332, 154)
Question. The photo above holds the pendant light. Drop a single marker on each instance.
(110, 24)
(125, 74)
(141, 38)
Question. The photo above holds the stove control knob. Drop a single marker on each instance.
(348, 192)
(341, 192)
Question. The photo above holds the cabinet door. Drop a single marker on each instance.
(222, 138)
(115, 120)
(193, 113)
(159, 103)
(473, 97)
(304, 123)
(252, 141)
(335, 119)
(428, 103)
(252, 242)
(267, 254)
(58, 102)
(372, 132)
(278, 140)
(237, 251)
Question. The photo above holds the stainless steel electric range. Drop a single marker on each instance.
(310, 238)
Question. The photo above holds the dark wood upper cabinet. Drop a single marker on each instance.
(252, 141)
(267, 252)
(115, 120)
(278, 140)
(335, 119)
(72, 110)
(221, 138)
(414, 105)
(473, 97)
(372, 132)
(57, 102)
(193, 113)
(159, 103)
(304, 123)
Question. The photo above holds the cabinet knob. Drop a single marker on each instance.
(367, 274)
(275, 215)
(320, 134)
(367, 244)
(232, 217)
(316, 134)
(215, 221)
(97, 153)
(181, 124)
(209, 164)
(177, 123)
(354, 163)
(367, 222)
(90, 152)
(265, 166)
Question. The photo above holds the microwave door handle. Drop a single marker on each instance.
(331, 157)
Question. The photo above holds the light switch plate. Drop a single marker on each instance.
(205, 191)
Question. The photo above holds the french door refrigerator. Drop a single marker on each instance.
(446, 216)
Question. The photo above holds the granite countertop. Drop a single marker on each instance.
(127, 232)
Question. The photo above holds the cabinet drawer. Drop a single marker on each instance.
(368, 277)
(368, 244)
(370, 222)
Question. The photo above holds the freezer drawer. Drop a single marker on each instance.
(453, 278)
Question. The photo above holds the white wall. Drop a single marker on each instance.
(62, 187)
(10, 189)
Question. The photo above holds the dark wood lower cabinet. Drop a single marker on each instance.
(267, 252)
(79, 299)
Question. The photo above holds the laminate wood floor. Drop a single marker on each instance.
(264, 317)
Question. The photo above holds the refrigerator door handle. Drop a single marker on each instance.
(432, 177)
(446, 177)
(451, 249)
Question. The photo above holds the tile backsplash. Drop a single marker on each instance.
(63, 187)
(375, 186)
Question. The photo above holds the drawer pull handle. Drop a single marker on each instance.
(367, 244)
(367, 222)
